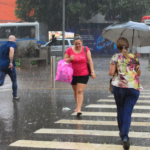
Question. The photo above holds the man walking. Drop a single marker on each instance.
(7, 64)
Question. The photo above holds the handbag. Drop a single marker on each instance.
(110, 85)
(87, 62)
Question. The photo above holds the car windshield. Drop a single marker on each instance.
(72, 42)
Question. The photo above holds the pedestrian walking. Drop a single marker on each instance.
(78, 55)
(125, 69)
(7, 64)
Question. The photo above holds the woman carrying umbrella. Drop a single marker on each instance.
(125, 69)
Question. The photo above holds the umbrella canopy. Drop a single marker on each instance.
(138, 34)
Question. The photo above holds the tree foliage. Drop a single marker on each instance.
(124, 10)
(50, 11)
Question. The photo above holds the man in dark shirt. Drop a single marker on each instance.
(7, 64)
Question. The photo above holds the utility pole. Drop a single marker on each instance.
(63, 27)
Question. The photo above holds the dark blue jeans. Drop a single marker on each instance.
(13, 76)
(125, 99)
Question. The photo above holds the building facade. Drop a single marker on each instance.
(7, 11)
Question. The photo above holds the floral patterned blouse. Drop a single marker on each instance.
(126, 74)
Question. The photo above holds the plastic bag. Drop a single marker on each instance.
(64, 72)
(65, 109)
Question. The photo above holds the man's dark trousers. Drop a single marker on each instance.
(13, 76)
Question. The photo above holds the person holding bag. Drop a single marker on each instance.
(126, 86)
(79, 58)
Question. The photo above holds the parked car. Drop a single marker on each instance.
(57, 45)
(143, 50)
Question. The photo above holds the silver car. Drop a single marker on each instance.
(57, 45)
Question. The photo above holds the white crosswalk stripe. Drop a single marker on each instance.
(112, 101)
(91, 132)
(92, 122)
(114, 106)
(3, 90)
(145, 91)
(70, 145)
(109, 114)
(141, 96)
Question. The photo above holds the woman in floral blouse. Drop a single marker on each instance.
(125, 69)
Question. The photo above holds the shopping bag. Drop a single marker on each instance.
(64, 72)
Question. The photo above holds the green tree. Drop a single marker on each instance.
(50, 11)
(124, 10)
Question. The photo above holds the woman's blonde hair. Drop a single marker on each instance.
(122, 46)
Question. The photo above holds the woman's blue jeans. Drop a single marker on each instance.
(125, 99)
(13, 76)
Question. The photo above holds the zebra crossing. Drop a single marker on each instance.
(102, 103)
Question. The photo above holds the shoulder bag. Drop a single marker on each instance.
(87, 61)
(110, 84)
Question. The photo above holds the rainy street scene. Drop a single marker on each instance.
(75, 75)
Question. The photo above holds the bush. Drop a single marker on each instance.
(33, 63)
(18, 61)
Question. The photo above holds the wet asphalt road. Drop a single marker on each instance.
(41, 106)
